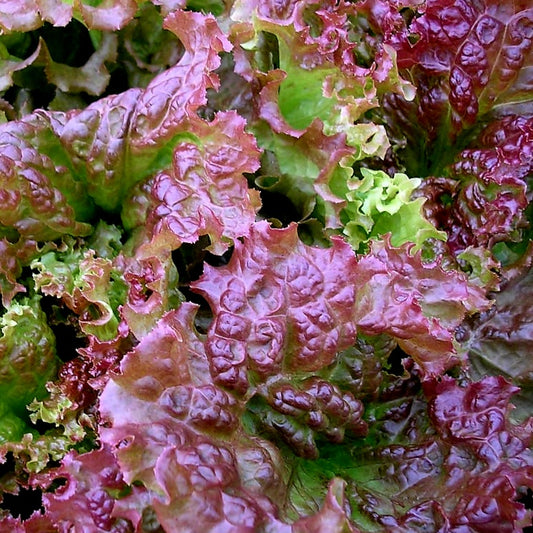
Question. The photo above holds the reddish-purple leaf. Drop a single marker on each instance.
(278, 304)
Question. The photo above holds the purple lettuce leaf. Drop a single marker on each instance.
(123, 140)
(469, 62)
(420, 304)
(118, 141)
(205, 192)
(152, 290)
(500, 338)
(483, 51)
(198, 466)
(482, 199)
(106, 149)
(83, 500)
(451, 461)
(278, 304)
(171, 100)
(13, 257)
(40, 197)
(172, 381)
(274, 340)
(260, 328)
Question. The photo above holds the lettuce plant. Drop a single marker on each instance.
(265, 266)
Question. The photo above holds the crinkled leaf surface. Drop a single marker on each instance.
(278, 304)
(199, 466)
(272, 328)
(498, 340)
(41, 199)
(332, 385)
(88, 285)
(451, 464)
(468, 61)
(27, 354)
(378, 204)
(482, 200)
(205, 193)
(421, 304)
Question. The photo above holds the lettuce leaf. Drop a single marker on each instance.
(265, 266)
(498, 338)
(378, 204)
(200, 469)
(483, 198)
(314, 86)
(28, 356)
(470, 63)
(455, 465)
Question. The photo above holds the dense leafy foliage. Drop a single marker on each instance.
(265, 266)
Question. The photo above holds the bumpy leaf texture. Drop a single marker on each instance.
(483, 49)
(84, 501)
(315, 82)
(291, 414)
(96, 156)
(27, 354)
(13, 256)
(280, 304)
(457, 470)
(467, 59)
(118, 140)
(40, 198)
(482, 201)
(472, 64)
(205, 193)
(88, 285)
(421, 304)
(445, 458)
(200, 469)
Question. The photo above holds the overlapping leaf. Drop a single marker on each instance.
(262, 327)
(420, 304)
(320, 397)
(200, 468)
(314, 82)
(499, 338)
(482, 202)
(468, 61)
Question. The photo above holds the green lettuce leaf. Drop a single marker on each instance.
(379, 204)
(28, 354)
